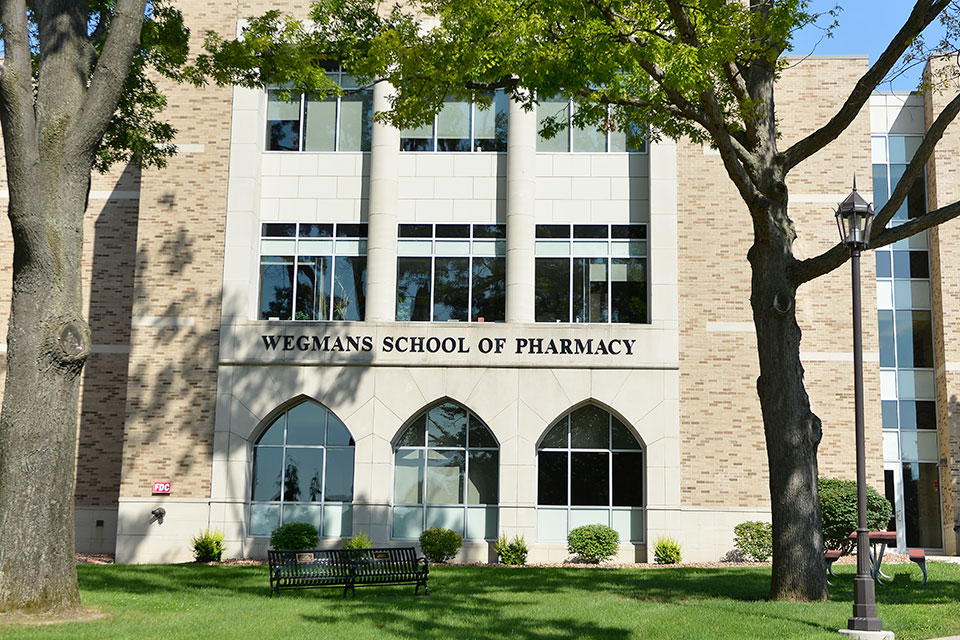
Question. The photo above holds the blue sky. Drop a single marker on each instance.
(866, 27)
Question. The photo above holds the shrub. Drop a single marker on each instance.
(208, 546)
(295, 535)
(513, 551)
(838, 508)
(754, 540)
(440, 545)
(593, 542)
(666, 551)
(359, 541)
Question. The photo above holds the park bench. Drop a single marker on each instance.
(347, 568)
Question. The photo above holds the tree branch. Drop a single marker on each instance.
(915, 169)
(918, 224)
(16, 97)
(922, 15)
(109, 77)
(734, 154)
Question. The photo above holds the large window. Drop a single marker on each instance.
(302, 122)
(303, 472)
(589, 471)
(446, 475)
(462, 126)
(577, 139)
(451, 272)
(591, 273)
(907, 364)
(311, 271)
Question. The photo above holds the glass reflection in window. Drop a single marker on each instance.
(446, 465)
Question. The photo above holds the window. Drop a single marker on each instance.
(591, 273)
(303, 472)
(577, 139)
(908, 393)
(312, 271)
(462, 126)
(304, 122)
(590, 469)
(451, 272)
(446, 475)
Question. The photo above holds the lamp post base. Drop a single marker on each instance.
(864, 616)
(867, 635)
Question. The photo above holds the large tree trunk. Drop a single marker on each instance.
(792, 430)
(47, 343)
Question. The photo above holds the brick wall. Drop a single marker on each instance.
(723, 451)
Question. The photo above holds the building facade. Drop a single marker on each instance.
(312, 316)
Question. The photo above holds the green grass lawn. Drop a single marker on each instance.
(169, 602)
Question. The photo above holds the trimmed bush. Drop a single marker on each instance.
(208, 545)
(838, 509)
(666, 551)
(440, 545)
(593, 542)
(359, 541)
(754, 540)
(512, 552)
(295, 535)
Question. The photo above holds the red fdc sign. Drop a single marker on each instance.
(161, 487)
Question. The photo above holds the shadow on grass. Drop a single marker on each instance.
(663, 585)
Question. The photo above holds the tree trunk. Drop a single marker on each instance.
(792, 430)
(48, 342)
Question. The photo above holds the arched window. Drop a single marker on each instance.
(590, 469)
(303, 472)
(446, 475)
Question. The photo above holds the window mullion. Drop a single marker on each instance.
(303, 120)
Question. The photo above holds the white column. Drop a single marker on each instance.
(382, 213)
(521, 201)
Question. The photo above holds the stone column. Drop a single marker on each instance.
(382, 216)
(521, 201)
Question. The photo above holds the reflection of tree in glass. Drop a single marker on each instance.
(349, 288)
(291, 483)
(315, 488)
(630, 295)
(413, 292)
(284, 135)
(448, 423)
(488, 288)
(279, 305)
(451, 282)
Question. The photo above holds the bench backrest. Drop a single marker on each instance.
(342, 562)
(386, 561)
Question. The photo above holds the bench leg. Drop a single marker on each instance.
(830, 569)
(923, 567)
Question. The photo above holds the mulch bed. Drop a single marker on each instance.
(895, 558)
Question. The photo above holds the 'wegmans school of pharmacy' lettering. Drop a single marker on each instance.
(451, 344)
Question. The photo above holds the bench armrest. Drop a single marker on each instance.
(426, 565)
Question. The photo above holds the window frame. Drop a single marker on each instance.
(346, 506)
(302, 111)
(610, 508)
(571, 241)
(296, 239)
(571, 107)
(426, 448)
(499, 252)
(434, 144)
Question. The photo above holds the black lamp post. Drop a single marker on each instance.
(854, 221)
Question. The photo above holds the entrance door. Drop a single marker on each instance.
(893, 490)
